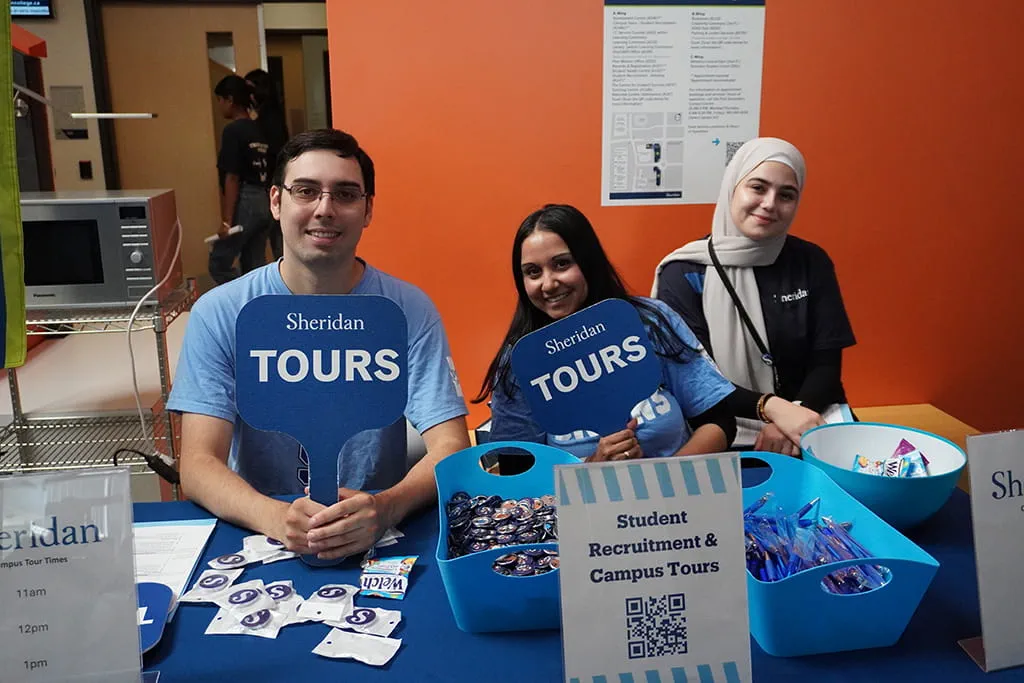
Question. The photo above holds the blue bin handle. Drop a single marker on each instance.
(901, 571)
(462, 471)
(786, 468)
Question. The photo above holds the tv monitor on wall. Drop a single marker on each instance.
(31, 8)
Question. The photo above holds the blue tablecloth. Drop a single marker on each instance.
(434, 649)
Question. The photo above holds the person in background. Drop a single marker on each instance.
(559, 267)
(771, 314)
(270, 118)
(323, 195)
(242, 167)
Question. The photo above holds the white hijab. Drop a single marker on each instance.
(735, 351)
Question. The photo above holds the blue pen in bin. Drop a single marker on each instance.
(483, 600)
(796, 616)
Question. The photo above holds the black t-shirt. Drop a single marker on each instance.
(803, 309)
(243, 151)
(271, 121)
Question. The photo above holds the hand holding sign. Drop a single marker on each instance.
(619, 445)
(321, 369)
(587, 370)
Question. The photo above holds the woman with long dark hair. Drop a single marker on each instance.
(270, 118)
(559, 267)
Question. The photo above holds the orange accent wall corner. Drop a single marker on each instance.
(476, 113)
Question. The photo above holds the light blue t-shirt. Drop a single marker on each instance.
(273, 463)
(687, 389)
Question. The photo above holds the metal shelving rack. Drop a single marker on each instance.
(44, 443)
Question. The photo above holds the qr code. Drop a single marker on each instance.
(730, 150)
(656, 626)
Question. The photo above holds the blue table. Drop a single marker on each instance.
(434, 649)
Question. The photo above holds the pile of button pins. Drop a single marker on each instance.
(481, 523)
(529, 562)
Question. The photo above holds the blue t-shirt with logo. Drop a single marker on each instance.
(273, 463)
(688, 388)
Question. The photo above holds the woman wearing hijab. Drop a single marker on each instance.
(769, 312)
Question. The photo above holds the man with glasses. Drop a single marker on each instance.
(323, 194)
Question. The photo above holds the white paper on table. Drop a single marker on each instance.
(372, 650)
(168, 552)
(390, 537)
(279, 555)
(223, 623)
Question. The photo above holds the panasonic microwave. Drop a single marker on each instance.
(99, 249)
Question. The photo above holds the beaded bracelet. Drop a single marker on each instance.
(760, 407)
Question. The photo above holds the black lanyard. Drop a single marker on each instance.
(766, 355)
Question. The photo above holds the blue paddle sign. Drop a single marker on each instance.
(155, 601)
(321, 369)
(587, 370)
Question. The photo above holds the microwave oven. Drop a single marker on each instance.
(99, 249)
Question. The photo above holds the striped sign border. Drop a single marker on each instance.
(728, 672)
(635, 481)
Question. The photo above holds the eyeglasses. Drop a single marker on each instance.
(307, 194)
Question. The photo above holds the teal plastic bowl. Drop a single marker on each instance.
(902, 502)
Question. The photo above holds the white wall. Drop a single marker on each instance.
(313, 48)
(221, 48)
(68, 63)
(295, 16)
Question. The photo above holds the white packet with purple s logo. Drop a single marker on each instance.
(245, 598)
(263, 623)
(211, 584)
(372, 621)
(234, 560)
(286, 601)
(332, 602)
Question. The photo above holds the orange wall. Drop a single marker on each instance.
(477, 112)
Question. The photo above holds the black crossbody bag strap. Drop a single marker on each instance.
(766, 356)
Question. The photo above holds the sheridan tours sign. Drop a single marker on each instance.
(587, 370)
(67, 578)
(321, 369)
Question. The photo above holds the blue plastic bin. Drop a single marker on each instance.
(796, 615)
(483, 600)
(900, 501)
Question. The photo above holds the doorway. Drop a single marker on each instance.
(297, 60)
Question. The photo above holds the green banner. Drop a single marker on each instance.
(12, 263)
